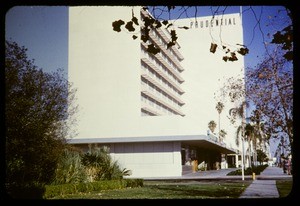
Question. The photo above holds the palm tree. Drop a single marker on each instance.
(222, 134)
(250, 137)
(212, 125)
(255, 131)
(259, 137)
(239, 112)
(219, 108)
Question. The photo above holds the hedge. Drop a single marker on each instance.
(59, 190)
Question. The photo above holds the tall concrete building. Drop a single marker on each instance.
(161, 90)
(153, 111)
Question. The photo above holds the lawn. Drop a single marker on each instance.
(202, 189)
(284, 187)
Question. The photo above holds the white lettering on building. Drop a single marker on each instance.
(212, 23)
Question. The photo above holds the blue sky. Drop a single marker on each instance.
(44, 31)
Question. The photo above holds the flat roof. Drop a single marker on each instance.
(205, 141)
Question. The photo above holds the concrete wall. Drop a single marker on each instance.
(206, 72)
(149, 159)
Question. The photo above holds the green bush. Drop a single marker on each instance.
(101, 166)
(134, 182)
(249, 171)
(70, 169)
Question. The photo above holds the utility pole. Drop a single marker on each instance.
(282, 146)
(243, 136)
(243, 176)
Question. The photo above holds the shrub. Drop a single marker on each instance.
(70, 169)
(64, 189)
(100, 165)
(248, 171)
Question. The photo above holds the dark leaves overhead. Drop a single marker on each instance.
(170, 44)
(157, 24)
(243, 51)
(149, 24)
(213, 47)
(173, 35)
(170, 24)
(135, 20)
(148, 21)
(144, 38)
(232, 57)
(173, 39)
(152, 49)
(129, 26)
(183, 27)
(117, 25)
(285, 38)
(165, 22)
(288, 55)
(145, 35)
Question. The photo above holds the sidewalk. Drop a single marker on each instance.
(270, 173)
(265, 184)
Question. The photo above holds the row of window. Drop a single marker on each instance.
(161, 112)
(146, 113)
(146, 69)
(160, 108)
(170, 81)
(166, 58)
(161, 67)
(162, 41)
(159, 93)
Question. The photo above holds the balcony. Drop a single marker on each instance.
(163, 35)
(163, 75)
(150, 109)
(151, 95)
(163, 88)
(166, 52)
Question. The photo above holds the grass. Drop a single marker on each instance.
(284, 187)
(224, 189)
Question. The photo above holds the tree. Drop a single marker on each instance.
(253, 135)
(222, 134)
(261, 156)
(239, 113)
(284, 37)
(39, 110)
(212, 126)
(270, 88)
(219, 108)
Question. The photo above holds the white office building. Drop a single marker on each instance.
(153, 110)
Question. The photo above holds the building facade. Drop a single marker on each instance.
(153, 110)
